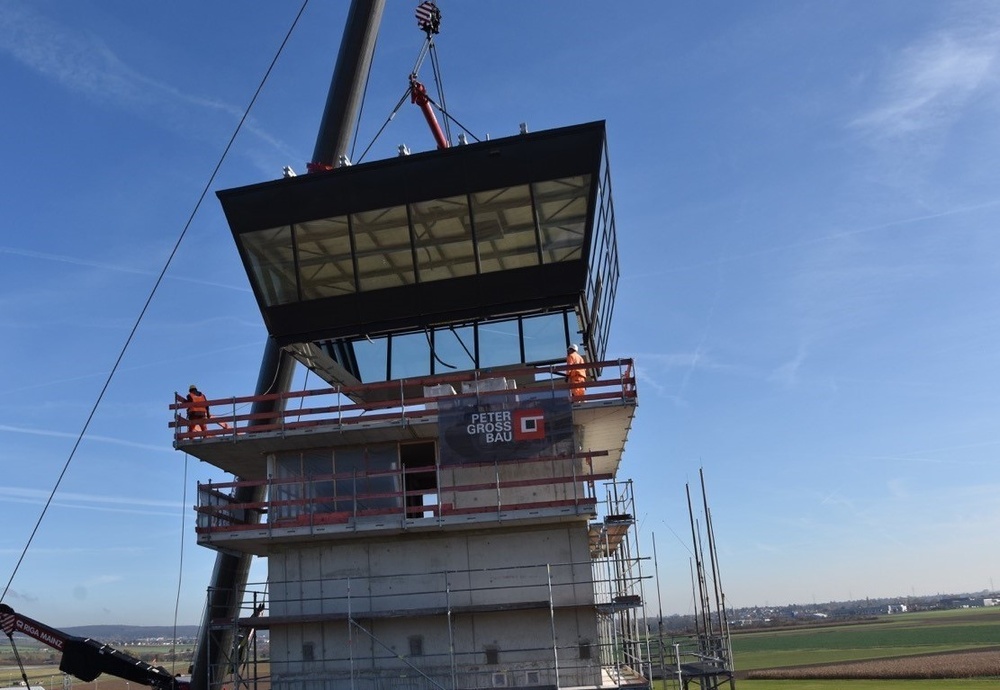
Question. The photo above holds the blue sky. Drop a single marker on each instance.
(807, 202)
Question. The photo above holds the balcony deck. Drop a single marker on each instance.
(238, 441)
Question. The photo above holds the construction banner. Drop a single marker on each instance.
(505, 426)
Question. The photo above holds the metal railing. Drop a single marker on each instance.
(403, 399)
(340, 498)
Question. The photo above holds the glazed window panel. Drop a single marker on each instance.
(326, 268)
(384, 253)
(319, 463)
(505, 228)
(382, 490)
(442, 238)
(288, 489)
(562, 217)
(499, 343)
(374, 482)
(411, 356)
(372, 357)
(455, 349)
(269, 253)
(350, 462)
(544, 337)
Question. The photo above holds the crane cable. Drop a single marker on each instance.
(361, 107)
(427, 48)
(17, 658)
(149, 299)
(439, 83)
(180, 564)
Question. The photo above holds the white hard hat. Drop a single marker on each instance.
(574, 348)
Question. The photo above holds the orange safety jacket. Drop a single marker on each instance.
(575, 375)
(197, 410)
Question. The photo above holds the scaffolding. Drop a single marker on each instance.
(356, 619)
(703, 660)
(407, 550)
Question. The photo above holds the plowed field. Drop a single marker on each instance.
(970, 664)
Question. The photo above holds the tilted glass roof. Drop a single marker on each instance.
(482, 232)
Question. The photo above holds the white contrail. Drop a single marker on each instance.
(112, 267)
(100, 439)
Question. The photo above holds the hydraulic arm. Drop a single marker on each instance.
(85, 658)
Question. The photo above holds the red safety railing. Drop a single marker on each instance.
(616, 382)
(338, 498)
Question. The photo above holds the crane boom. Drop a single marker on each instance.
(85, 658)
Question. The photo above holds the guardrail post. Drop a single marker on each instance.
(496, 473)
(576, 491)
(340, 411)
(402, 490)
(270, 500)
(402, 403)
(354, 495)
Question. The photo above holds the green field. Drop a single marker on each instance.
(935, 684)
(887, 637)
(900, 635)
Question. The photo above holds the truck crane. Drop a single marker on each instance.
(85, 658)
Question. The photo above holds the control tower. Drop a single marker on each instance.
(444, 510)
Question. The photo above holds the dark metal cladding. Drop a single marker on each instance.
(551, 155)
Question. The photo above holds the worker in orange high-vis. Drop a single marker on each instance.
(198, 413)
(576, 377)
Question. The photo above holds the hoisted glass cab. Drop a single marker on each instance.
(495, 253)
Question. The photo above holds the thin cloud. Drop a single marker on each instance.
(15, 595)
(92, 502)
(95, 547)
(112, 267)
(84, 63)
(787, 374)
(4, 428)
(931, 82)
(147, 365)
(23, 493)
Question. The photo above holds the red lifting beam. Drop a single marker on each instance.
(418, 95)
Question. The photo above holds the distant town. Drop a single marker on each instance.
(157, 638)
(798, 614)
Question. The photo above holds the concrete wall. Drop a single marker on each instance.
(434, 571)
(559, 473)
(403, 588)
(521, 644)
